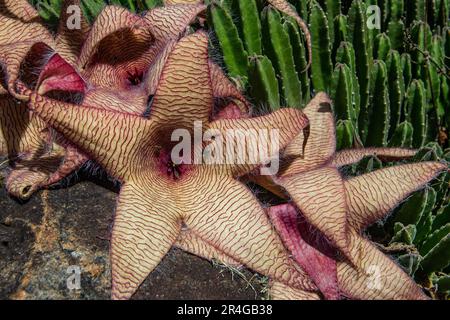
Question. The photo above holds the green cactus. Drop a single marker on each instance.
(368, 164)
(321, 67)
(396, 26)
(344, 134)
(405, 43)
(346, 55)
(333, 9)
(281, 53)
(302, 7)
(234, 55)
(437, 58)
(442, 218)
(251, 26)
(443, 284)
(264, 83)
(416, 111)
(382, 46)
(342, 91)
(413, 209)
(421, 37)
(415, 10)
(410, 262)
(396, 88)
(401, 99)
(402, 136)
(379, 106)
(396, 31)
(438, 257)
(300, 60)
(404, 234)
(406, 68)
(340, 33)
(358, 37)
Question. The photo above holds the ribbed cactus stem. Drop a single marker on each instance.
(406, 69)
(300, 57)
(340, 33)
(379, 115)
(342, 93)
(396, 31)
(358, 37)
(234, 55)
(333, 9)
(396, 88)
(344, 134)
(322, 67)
(346, 55)
(382, 46)
(402, 136)
(416, 111)
(264, 83)
(281, 53)
(251, 26)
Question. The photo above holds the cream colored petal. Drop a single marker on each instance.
(192, 243)
(320, 196)
(184, 93)
(320, 145)
(372, 196)
(20, 131)
(347, 157)
(246, 144)
(170, 22)
(376, 277)
(280, 291)
(112, 26)
(116, 140)
(225, 213)
(145, 228)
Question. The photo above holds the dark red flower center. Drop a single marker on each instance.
(169, 168)
(135, 77)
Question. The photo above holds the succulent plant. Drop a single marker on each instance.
(40, 159)
(318, 190)
(406, 44)
(405, 89)
(417, 232)
(148, 228)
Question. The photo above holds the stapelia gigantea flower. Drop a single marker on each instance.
(341, 208)
(159, 198)
(105, 63)
(322, 226)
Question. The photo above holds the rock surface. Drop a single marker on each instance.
(47, 240)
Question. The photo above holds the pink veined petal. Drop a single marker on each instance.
(320, 267)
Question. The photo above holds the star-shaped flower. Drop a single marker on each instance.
(314, 230)
(159, 197)
(92, 61)
(341, 208)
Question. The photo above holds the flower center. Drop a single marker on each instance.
(170, 169)
(135, 77)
